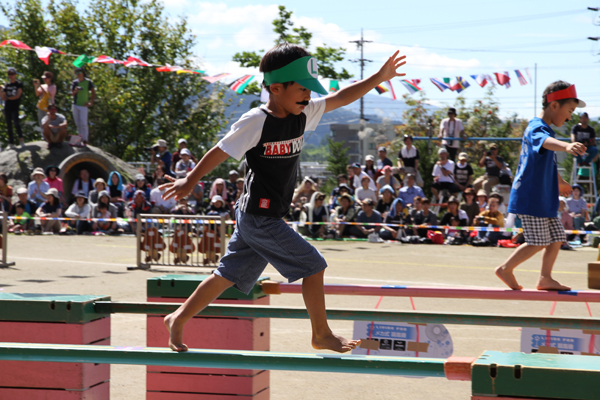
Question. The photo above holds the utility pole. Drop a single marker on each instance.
(535, 91)
(360, 44)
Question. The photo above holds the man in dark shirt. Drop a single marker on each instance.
(162, 156)
(463, 172)
(583, 133)
(383, 160)
(493, 164)
(368, 214)
(11, 94)
(30, 206)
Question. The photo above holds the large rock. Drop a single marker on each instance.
(18, 163)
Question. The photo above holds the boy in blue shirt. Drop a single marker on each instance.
(536, 187)
(270, 138)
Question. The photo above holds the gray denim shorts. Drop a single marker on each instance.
(258, 241)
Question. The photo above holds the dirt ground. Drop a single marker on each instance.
(97, 265)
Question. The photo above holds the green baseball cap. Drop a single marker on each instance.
(303, 71)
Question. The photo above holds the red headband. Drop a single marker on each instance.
(568, 93)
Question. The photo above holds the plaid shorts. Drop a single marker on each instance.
(542, 231)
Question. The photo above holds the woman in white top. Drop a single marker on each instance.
(365, 192)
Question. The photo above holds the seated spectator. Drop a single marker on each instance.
(368, 214)
(55, 182)
(6, 192)
(370, 167)
(219, 188)
(343, 188)
(583, 133)
(491, 218)
(408, 159)
(455, 211)
(443, 175)
(158, 173)
(577, 207)
(162, 156)
(398, 214)
(106, 226)
(342, 179)
(139, 205)
(400, 175)
(415, 207)
(387, 179)
(51, 208)
(37, 188)
(425, 217)
(385, 202)
(218, 207)
(482, 198)
(54, 127)
(197, 199)
(115, 186)
(30, 206)
(365, 192)
(181, 144)
(358, 175)
(493, 163)
(24, 223)
(496, 195)
(469, 205)
(506, 176)
(140, 184)
(304, 191)
(232, 188)
(463, 173)
(345, 212)
(79, 211)
(410, 191)
(185, 165)
(382, 160)
(350, 173)
(239, 189)
(83, 184)
(160, 205)
(99, 186)
(182, 207)
(567, 221)
(316, 211)
(454, 236)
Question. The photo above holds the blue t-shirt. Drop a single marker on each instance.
(535, 187)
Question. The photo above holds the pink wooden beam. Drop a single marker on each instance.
(581, 296)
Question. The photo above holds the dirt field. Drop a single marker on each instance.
(97, 265)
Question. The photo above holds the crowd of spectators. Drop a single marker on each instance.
(52, 124)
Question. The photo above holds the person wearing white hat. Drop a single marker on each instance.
(162, 156)
(370, 166)
(181, 144)
(184, 165)
(218, 207)
(30, 205)
(51, 208)
(443, 174)
(37, 188)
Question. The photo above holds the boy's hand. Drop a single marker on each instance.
(388, 70)
(177, 188)
(576, 149)
(564, 188)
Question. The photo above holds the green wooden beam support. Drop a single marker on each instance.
(226, 310)
(404, 366)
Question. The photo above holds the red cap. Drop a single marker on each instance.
(568, 93)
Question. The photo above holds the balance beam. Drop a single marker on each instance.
(226, 310)
(404, 366)
(271, 287)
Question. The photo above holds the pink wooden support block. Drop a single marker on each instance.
(98, 392)
(53, 332)
(248, 385)
(264, 395)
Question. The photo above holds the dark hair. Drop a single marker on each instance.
(19, 204)
(343, 176)
(417, 198)
(452, 110)
(555, 87)
(280, 56)
(4, 177)
(102, 206)
(425, 200)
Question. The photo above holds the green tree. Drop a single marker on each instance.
(327, 57)
(337, 160)
(134, 106)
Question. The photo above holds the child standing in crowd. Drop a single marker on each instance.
(270, 137)
(534, 194)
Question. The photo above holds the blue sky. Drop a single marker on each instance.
(440, 39)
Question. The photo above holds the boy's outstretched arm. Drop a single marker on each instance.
(576, 149)
(182, 187)
(358, 89)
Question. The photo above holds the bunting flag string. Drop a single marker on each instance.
(240, 84)
(412, 85)
(520, 77)
(44, 53)
(440, 84)
(389, 83)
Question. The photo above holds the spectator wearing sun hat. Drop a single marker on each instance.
(370, 166)
(162, 156)
(181, 144)
(79, 211)
(218, 207)
(443, 174)
(30, 206)
(387, 179)
(51, 208)
(185, 164)
(463, 172)
(37, 188)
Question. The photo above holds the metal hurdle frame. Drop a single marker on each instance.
(199, 249)
(4, 262)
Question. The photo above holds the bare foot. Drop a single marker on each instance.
(334, 342)
(547, 283)
(508, 278)
(175, 333)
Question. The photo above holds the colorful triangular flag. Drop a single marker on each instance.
(16, 44)
(334, 85)
(503, 78)
(44, 53)
(528, 74)
(439, 83)
(136, 62)
(82, 60)
(240, 84)
(188, 71)
(169, 68)
(412, 85)
(213, 79)
(381, 89)
(520, 77)
(389, 83)
(106, 60)
(481, 79)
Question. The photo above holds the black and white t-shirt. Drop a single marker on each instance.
(491, 169)
(462, 172)
(408, 157)
(583, 135)
(11, 89)
(272, 148)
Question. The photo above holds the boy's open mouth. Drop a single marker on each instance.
(302, 103)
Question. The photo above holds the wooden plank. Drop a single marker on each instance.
(183, 286)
